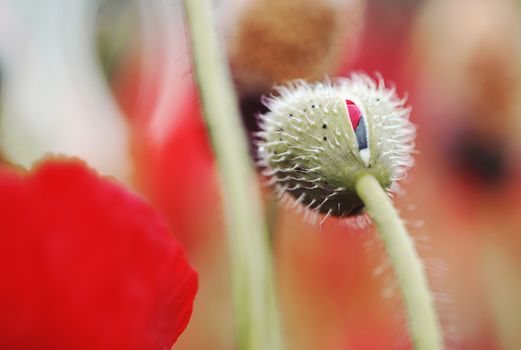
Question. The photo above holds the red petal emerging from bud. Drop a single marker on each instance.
(354, 113)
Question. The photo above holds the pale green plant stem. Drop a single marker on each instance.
(256, 316)
(422, 319)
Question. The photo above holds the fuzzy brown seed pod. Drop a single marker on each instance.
(273, 41)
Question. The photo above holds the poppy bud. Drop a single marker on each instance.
(317, 139)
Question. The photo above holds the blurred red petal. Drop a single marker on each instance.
(87, 265)
(178, 175)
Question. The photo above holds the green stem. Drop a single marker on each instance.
(423, 322)
(256, 316)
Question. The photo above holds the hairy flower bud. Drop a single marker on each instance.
(317, 139)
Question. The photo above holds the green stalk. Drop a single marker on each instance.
(422, 319)
(256, 316)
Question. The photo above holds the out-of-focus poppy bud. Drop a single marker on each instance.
(271, 41)
(467, 58)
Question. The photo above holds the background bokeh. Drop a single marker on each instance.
(110, 81)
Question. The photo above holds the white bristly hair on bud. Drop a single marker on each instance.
(310, 149)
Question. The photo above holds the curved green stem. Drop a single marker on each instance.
(256, 316)
(423, 321)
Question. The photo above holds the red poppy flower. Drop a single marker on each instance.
(86, 265)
